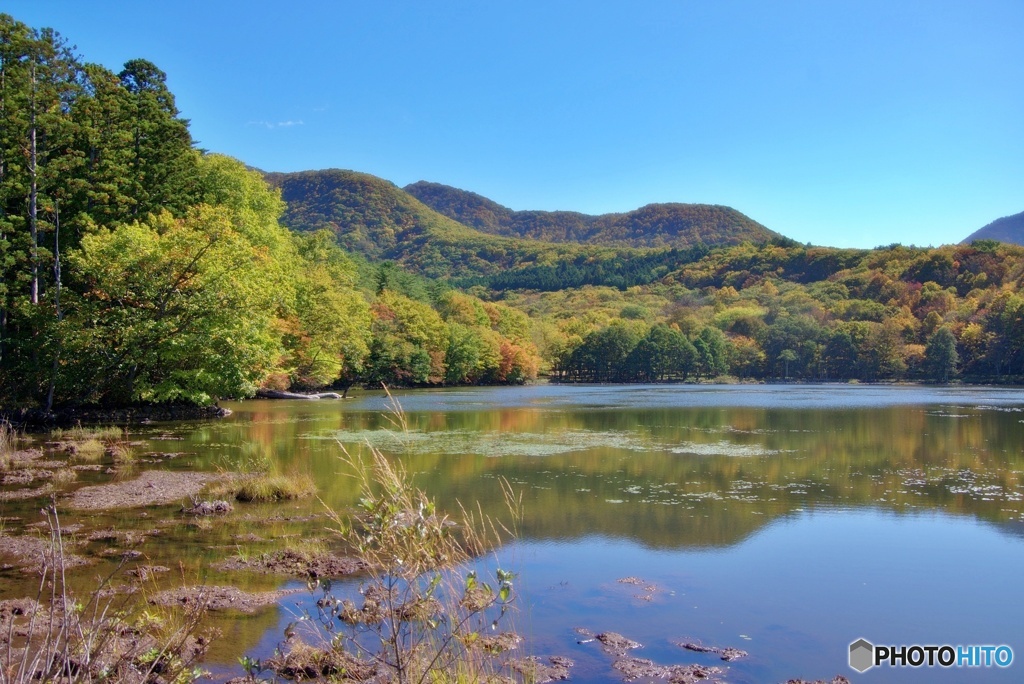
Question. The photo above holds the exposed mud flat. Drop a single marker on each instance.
(31, 493)
(34, 553)
(31, 475)
(648, 588)
(641, 668)
(151, 488)
(12, 611)
(616, 644)
(535, 669)
(296, 564)
(221, 598)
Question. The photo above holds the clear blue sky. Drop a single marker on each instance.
(836, 122)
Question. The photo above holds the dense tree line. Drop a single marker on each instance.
(620, 270)
(134, 268)
(790, 311)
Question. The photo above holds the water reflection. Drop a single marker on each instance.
(746, 499)
(668, 476)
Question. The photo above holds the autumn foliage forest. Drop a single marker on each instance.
(136, 268)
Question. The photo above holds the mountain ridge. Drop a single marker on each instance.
(1006, 229)
(376, 218)
(669, 224)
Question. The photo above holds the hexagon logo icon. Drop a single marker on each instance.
(862, 655)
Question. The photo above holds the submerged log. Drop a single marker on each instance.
(278, 394)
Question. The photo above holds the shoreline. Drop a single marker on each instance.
(39, 420)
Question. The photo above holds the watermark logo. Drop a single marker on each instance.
(864, 655)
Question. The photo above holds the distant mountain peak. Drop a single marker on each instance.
(673, 224)
(1007, 229)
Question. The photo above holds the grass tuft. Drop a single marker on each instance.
(248, 487)
(82, 434)
(64, 476)
(9, 438)
(93, 443)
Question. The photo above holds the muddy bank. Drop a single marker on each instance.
(303, 662)
(151, 488)
(116, 649)
(34, 553)
(534, 669)
(12, 610)
(40, 420)
(221, 598)
(296, 564)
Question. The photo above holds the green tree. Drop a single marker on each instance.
(839, 357)
(787, 356)
(881, 352)
(163, 160)
(712, 352)
(602, 355)
(941, 358)
(664, 353)
(172, 310)
(464, 356)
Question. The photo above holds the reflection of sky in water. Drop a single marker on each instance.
(794, 595)
(558, 397)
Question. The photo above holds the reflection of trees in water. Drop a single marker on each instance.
(613, 471)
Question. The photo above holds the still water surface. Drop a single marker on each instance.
(784, 520)
(787, 521)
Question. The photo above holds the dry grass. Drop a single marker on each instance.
(248, 487)
(9, 438)
(82, 434)
(434, 617)
(104, 637)
(120, 451)
(63, 476)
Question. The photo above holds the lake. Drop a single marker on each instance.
(785, 520)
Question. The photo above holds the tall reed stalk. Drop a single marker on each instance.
(59, 639)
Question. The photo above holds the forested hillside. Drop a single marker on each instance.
(793, 312)
(1007, 229)
(655, 225)
(373, 217)
(134, 268)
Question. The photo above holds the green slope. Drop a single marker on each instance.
(373, 217)
(655, 225)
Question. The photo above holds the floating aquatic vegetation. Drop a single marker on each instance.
(723, 448)
(495, 444)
